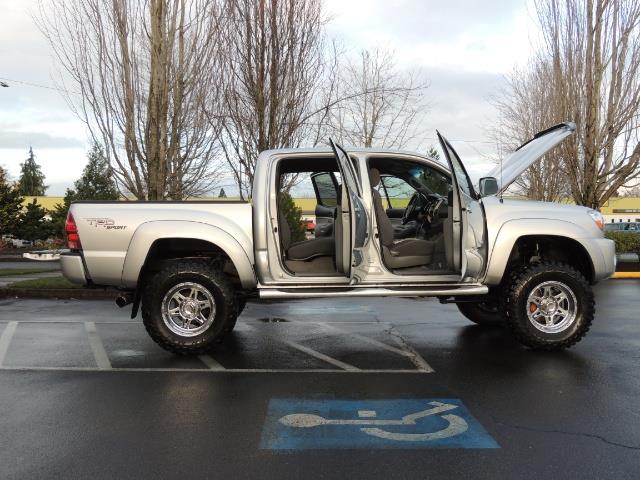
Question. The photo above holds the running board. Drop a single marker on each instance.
(269, 293)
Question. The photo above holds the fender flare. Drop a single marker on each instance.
(147, 233)
(513, 230)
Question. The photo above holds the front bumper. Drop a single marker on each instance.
(606, 265)
(72, 267)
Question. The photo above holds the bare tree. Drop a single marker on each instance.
(379, 103)
(275, 59)
(527, 106)
(589, 61)
(144, 73)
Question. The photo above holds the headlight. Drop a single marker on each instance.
(597, 218)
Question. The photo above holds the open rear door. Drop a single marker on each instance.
(469, 232)
(351, 258)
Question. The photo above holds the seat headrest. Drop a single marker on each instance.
(374, 177)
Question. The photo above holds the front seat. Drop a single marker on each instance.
(306, 249)
(407, 252)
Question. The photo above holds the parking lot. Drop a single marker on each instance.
(84, 392)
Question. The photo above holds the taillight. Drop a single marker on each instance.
(73, 239)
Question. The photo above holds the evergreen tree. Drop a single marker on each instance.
(10, 205)
(59, 214)
(222, 194)
(31, 180)
(293, 215)
(433, 153)
(32, 224)
(96, 182)
(4, 176)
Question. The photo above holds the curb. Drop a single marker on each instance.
(626, 275)
(22, 259)
(59, 293)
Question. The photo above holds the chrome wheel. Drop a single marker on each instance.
(552, 307)
(188, 309)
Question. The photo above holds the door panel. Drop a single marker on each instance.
(469, 228)
(354, 218)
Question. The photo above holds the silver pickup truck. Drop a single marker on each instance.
(388, 223)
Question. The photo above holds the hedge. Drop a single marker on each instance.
(626, 242)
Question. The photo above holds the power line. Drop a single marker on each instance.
(31, 84)
(49, 87)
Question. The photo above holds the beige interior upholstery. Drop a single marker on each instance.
(408, 252)
(306, 249)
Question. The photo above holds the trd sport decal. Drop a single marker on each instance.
(106, 223)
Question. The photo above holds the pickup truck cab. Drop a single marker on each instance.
(388, 223)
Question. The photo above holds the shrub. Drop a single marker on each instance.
(293, 215)
(626, 242)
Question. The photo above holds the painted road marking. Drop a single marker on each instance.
(210, 362)
(415, 358)
(362, 338)
(99, 353)
(206, 370)
(5, 339)
(320, 356)
(294, 424)
(103, 363)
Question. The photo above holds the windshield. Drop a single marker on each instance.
(429, 180)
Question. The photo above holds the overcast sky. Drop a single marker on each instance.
(464, 48)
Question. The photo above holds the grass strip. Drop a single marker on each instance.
(16, 272)
(44, 283)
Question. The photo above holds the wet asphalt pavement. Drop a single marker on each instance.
(84, 393)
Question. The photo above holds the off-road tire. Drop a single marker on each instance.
(197, 271)
(483, 313)
(523, 281)
(242, 302)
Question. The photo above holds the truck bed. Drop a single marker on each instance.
(108, 229)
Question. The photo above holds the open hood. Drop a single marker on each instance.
(529, 152)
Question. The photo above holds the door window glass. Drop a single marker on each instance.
(325, 189)
(397, 191)
(462, 179)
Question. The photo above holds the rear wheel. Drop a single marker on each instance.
(188, 306)
(549, 306)
(487, 313)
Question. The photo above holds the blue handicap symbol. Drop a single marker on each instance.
(298, 424)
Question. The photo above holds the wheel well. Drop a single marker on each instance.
(167, 249)
(531, 248)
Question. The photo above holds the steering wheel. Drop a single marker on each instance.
(432, 210)
(411, 209)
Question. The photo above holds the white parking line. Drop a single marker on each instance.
(320, 356)
(5, 339)
(415, 357)
(99, 353)
(204, 370)
(368, 340)
(210, 362)
(103, 363)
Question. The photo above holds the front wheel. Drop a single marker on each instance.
(188, 306)
(549, 306)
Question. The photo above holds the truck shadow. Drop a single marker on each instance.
(492, 352)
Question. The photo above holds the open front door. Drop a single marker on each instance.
(354, 231)
(469, 232)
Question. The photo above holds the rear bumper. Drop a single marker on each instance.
(72, 267)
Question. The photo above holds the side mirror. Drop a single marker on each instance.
(488, 186)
